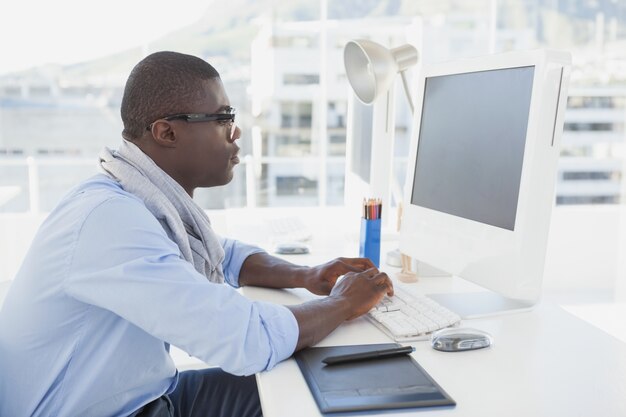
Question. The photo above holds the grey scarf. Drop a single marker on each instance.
(183, 220)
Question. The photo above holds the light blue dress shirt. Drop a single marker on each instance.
(102, 290)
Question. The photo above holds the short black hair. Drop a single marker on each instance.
(161, 84)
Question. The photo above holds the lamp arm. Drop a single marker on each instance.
(405, 84)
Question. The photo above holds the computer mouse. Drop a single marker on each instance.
(291, 248)
(458, 339)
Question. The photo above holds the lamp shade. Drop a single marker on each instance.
(371, 67)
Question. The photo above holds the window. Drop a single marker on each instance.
(596, 102)
(11, 91)
(296, 186)
(296, 114)
(293, 145)
(591, 175)
(337, 144)
(570, 200)
(307, 42)
(592, 126)
(337, 114)
(301, 79)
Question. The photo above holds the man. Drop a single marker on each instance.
(128, 264)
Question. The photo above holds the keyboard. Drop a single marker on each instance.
(406, 317)
(288, 229)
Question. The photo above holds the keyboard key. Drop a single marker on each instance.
(407, 317)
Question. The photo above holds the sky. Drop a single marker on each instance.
(35, 32)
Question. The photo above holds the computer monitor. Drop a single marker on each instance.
(481, 175)
(369, 155)
(358, 150)
(369, 159)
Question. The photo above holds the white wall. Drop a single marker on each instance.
(586, 249)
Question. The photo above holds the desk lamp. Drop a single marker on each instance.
(371, 69)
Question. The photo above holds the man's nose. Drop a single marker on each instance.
(236, 133)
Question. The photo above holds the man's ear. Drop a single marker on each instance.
(163, 134)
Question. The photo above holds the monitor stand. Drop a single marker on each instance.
(473, 305)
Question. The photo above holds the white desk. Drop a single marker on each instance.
(543, 363)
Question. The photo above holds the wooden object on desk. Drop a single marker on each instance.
(406, 274)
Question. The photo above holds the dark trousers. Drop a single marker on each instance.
(207, 393)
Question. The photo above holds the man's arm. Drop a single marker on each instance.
(361, 288)
(353, 296)
(265, 270)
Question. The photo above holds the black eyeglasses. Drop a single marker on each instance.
(228, 117)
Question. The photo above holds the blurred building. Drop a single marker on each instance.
(299, 94)
(592, 164)
(292, 107)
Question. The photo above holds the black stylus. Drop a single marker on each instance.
(372, 354)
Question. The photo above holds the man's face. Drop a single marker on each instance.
(206, 152)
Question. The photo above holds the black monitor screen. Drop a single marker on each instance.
(471, 144)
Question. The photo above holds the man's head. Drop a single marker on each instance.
(195, 147)
(161, 84)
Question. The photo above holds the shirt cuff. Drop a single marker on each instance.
(235, 253)
(283, 331)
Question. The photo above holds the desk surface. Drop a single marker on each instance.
(545, 362)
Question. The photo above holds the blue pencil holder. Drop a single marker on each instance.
(369, 242)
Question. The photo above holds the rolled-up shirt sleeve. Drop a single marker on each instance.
(144, 280)
(278, 321)
(235, 253)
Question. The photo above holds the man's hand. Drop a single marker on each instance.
(354, 295)
(321, 279)
(363, 290)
